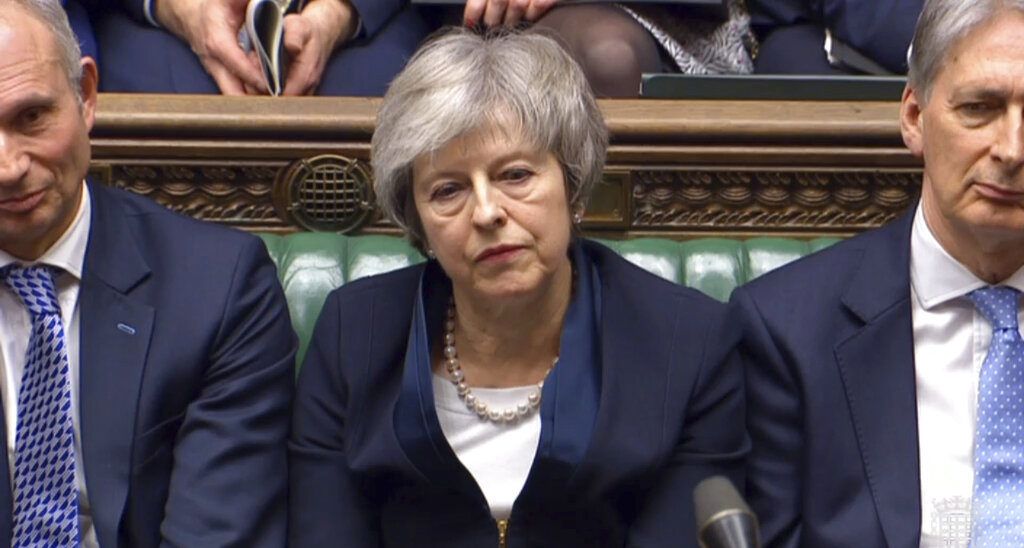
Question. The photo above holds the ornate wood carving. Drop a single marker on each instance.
(239, 195)
(676, 168)
(770, 200)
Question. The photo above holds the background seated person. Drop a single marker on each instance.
(524, 382)
(792, 35)
(336, 47)
(615, 44)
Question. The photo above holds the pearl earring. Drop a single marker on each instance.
(430, 254)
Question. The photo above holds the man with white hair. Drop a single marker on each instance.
(145, 358)
(885, 375)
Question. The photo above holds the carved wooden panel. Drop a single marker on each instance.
(791, 201)
(239, 195)
(675, 168)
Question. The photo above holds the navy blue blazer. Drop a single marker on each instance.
(792, 32)
(832, 404)
(82, 27)
(140, 58)
(186, 361)
(369, 468)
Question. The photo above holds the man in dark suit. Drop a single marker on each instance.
(335, 47)
(883, 374)
(145, 358)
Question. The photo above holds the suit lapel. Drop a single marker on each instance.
(417, 426)
(591, 424)
(115, 334)
(877, 367)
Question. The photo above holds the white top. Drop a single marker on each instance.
(67, 253)
(951, 339)
(498, 456)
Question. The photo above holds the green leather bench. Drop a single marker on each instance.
(311, 264)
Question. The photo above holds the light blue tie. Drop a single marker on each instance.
(998, 504)
(45, 492)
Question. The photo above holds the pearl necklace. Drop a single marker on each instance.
(458, 378)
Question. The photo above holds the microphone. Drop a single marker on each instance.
(723, 519)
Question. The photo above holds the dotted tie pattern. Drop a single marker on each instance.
(45, 492)
(998, 504)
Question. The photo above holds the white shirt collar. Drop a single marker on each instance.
(68, 252)
(935, 275)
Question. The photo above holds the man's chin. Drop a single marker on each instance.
(995, 223)
(28, 235)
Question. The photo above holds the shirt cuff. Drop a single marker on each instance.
(147, 10)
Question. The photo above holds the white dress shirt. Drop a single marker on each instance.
(498, 456)
(951, 339)
(67, 253)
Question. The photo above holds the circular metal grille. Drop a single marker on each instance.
(328, 192)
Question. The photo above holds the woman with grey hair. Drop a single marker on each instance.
(524, 386)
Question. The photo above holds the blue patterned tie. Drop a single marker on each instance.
(998, 504)
(45, 492)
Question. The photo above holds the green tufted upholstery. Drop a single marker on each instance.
(310, 265)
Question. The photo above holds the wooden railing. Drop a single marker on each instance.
(675, 168)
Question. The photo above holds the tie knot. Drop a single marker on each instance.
(998, 304)
(34, 286)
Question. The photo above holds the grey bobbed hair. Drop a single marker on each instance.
(522, 84)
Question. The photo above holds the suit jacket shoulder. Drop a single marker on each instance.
(169, 223)
(863, 273)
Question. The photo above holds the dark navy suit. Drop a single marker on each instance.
(186, 358)
(622, 443)
(141, 58)
(792, 32)
(82, 26)
(832, 404)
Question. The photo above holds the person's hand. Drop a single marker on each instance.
(210, 27)
(309, 39)
(495, 13)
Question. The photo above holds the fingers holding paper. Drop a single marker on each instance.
(211, 27)
(310, 37)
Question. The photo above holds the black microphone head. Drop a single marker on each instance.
(723, 518)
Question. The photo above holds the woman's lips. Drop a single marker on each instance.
(22, 204)
(499, 253)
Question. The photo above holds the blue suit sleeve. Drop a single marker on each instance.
(228, 486)
(326, 504)
(374, 14)
(82, 27)
(880, 29)
(711, 442)
(139, 10)
(773, 420)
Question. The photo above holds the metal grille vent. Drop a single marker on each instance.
(327, 193)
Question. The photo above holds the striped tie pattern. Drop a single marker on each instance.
(998, 503)
(45, 492)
